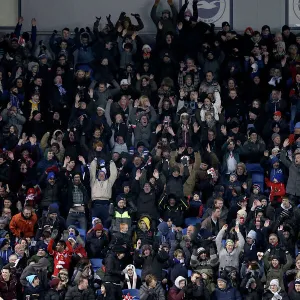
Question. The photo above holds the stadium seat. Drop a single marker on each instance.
(138, 272)
(258, 178)
(82, 233)
(96, 263)
(184, 231)
(135, 293)
(254, 168)
(192, 221)
(190, 273)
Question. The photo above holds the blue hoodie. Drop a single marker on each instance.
(165, 234)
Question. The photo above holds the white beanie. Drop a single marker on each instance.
(274, 282)
(251, 234)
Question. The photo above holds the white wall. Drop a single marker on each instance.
(256, 13)
(8, 13)
(57, 14)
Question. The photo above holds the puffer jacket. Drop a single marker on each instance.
(293, 184)
(229, 259)
(74, 294)
(102, 190)
(268, 295)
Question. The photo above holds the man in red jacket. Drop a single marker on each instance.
(62, 256)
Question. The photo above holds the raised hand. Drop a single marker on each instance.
(20, 20)
(286, 143)
(156, 174)
(33, 22)
(138, 174)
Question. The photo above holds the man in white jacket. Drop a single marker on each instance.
(101, 190)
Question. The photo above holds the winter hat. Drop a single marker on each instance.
(256, 186)
(225, 24)
(54, 283)
(229, 242)
(274, 282)
(30, 278)
(252, 130)
(297, 125)
(94, 220)
(277, 113)
(201, 250)
(222, 279)
(120, 197)
(53, 209)
(98, 227)
(178, 280)
(146, 46)
(251, 234)
(274, 160)
(3, 242)
(42, 247)
(50, 175)
(124, 82)
(297, 281)
(274, 136)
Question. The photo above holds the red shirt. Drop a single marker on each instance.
(61, 260)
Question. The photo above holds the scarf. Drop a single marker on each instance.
(61, 90)
(146, 55)
(134, 277)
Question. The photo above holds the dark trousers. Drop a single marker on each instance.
(115, 291)
(100, 210)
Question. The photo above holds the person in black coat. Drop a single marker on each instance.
(114, 271)
(251, 287)
(151, 261)
(294, 294)
(97, 242)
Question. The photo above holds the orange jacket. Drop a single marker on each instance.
(20, 226)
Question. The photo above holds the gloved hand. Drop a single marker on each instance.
(41, 42)
(54, 31)
(76, 30)
(108, 18)
(54, 234)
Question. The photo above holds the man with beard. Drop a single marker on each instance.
(22, 224)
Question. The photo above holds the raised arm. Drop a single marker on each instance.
(93, 167)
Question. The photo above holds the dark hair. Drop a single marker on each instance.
(63, 243)
(66, 28)
(81, 279)
(215, 208)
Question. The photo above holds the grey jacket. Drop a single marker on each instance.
(152, 294)
(142, 134)
(18, 120)
(229, 259)
(293, 184)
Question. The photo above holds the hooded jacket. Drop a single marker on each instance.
(19, 224)
(226, 294)
(146, 236)
(39, 269)
(176, 293)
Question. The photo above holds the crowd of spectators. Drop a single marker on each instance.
(161, 171)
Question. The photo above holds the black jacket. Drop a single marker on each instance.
(55, 295)
(96, 247)
(113, 269)
(74, 294)
(152, 264)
